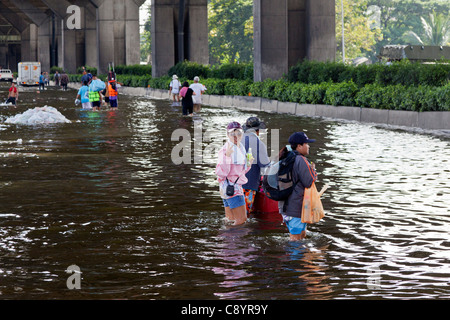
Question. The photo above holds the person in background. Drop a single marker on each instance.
(105, 94)
(57, 77)
(64, 80)
(41, 81)
(199, 89)
(13, 95)
(259, 152)
(174, 88)
(187, 99)
(303, 176)
(95, 96)
(112, 92)
(230, 170)
(83, 95)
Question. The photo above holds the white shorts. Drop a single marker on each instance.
(86, 105)
(197, 99)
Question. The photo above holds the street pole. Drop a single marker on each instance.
(343, 37)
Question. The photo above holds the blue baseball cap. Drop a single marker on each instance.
(300, 138)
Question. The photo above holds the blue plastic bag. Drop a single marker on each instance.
(97, 85)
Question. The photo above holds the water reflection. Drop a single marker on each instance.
(104, 193)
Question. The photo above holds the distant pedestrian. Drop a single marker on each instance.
(199, 89)
(187, 102)
(64, 80)
(174, 88)
(105, 93)
(13, 95)
(95, 96)
(83, 95)
(113, 93)
(57, 77)
(41, 81)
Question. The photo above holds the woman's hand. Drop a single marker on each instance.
(229, 150)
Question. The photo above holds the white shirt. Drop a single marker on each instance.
(197, 88)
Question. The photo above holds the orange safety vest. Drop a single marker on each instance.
(112, 92)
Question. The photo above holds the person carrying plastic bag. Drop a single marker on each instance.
(95, 96)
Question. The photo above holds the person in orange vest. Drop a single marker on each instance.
(112, 89)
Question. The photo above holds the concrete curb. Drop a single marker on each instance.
(431, 120)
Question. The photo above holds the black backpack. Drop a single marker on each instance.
(277, 181)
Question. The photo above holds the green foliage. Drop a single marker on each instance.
(404, 72)
(189, 70)
(242, 71)
(230, 31)
(55, 68)
(136, 69)
(92, 70)
(341, 94)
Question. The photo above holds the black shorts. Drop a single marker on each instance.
(106, 99)
(11, 100)
(96, 104)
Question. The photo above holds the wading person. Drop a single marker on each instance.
(187, 101)
(95, 96)
(64, 80)
(199, 89)
(174, 88)
(13, 94)
(112, 91)
(230, 170)
(303, 176)
(41, 81)
(259, 153)
(83, 95)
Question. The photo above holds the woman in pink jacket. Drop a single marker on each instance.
(231, 168)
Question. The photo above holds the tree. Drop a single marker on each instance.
(146, 37)
(360, 35)
(230, 31)
(436, 31)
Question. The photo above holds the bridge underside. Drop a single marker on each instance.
(37, 30)
(285, 32)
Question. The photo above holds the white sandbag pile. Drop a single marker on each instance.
(38, 115)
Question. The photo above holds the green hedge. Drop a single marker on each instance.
(137, 69)
(403, 73)
(188, 70)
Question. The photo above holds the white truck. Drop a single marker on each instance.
(29, 73)
(6, 75)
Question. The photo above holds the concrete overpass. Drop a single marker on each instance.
(94, 33)
(103, 31)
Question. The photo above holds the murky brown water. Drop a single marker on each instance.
(103, 193)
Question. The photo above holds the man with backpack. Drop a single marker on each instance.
(303, 175)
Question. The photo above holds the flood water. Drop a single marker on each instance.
(103, 193)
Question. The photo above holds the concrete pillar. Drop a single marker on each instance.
(197, 32)
(44, 40)
(321, 30)
(118, 23)
(270, 38)
(90, 36)
(287, 31)
(163, 36)
(165, 40)
(29, 43)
